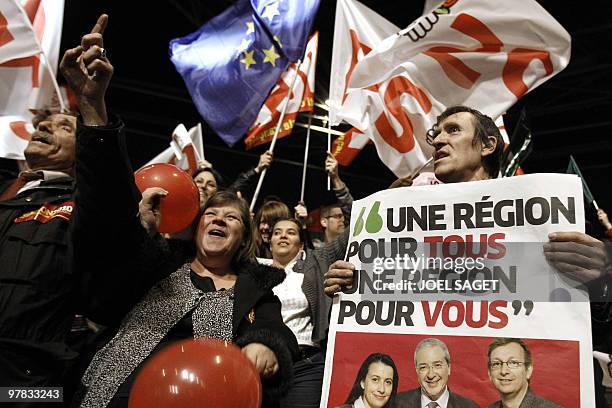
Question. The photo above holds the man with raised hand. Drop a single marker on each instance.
(38, 281)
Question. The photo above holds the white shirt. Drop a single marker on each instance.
(294, 305)
(442, 401)
(359, 403)
(46, 175)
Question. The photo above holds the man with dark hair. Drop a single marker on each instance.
(486, 138)
(332, 221)
(433, 367)
(510, 370)
(335, 216)
(468, 148)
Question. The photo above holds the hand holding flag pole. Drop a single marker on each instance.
(278, 126)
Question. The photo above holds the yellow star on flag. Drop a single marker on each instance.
(278, 41)
(270, 56)
(248, 59)
(250, 27)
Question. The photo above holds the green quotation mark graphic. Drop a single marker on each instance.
(373, 223)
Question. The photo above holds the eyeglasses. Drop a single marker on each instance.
(512, 364)
(336, 216)
(438, 366)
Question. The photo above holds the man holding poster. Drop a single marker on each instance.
(512, 229)
(469, 147)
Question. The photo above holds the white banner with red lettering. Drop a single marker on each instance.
(494, 283)
(302, 99)
(472, 52)
(25, 82)
(17, 38)
(186, 149)
(347, 146)
(357, 31)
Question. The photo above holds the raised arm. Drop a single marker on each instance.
(111, 248)
(343, 195)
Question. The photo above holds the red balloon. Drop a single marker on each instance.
(181, 205)
(197, 373)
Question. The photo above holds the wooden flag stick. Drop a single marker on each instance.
(276, 131)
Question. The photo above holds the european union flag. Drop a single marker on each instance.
(231, 63)
(289, 22)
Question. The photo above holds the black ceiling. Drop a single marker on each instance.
(571, 113)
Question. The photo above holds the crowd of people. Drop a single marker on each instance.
(257, 280)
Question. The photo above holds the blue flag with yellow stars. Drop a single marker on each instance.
(289, 23)
(232, 62)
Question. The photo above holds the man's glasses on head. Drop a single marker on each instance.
(336, 216)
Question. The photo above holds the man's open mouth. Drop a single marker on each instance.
(41, 137)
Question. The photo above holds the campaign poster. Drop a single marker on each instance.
(463, 264)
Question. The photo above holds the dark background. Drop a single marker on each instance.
(571, 113)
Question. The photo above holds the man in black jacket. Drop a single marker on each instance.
(38, 281)
(36, 274)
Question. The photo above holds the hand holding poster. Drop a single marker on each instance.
(462, 264)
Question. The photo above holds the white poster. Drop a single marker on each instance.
(463, 263)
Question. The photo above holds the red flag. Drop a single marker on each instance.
(301, 99)
(346, 147)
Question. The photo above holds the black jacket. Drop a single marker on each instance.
(37, 282)
(530, 401)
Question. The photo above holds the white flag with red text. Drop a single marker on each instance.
(17, 38)
(186, 149)
(301, 99)
(478, 53)
(357, 31)
(347, 146)
(27, 27)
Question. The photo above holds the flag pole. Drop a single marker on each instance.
(54, 82)
(47, 64)
(421, 167)
(305, 157)
(276, 131)
(328, 148)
